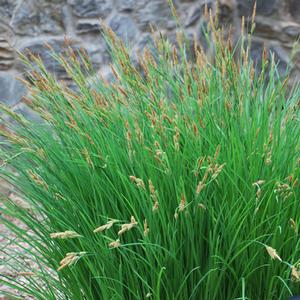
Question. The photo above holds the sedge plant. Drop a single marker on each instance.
(176, 180)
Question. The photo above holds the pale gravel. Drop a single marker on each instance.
(11, 246)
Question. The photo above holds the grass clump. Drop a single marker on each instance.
(179, 180)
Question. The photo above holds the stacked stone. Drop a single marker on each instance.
(29, 24)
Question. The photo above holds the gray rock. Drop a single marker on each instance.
(88, 26)
(126, 5)
(32, 17)
(91, 8)
(193, 16)
(226, 12)
(256, 52)
(156, 13)
(281, 58)
(11, 89)
(98, 54)
(6, 8)
(264, 7)
(292, 31)
(124, 27)
(294, 7)
(202, 37)
(269, 29)
(6, 54)
(144, 42)
(296, 61)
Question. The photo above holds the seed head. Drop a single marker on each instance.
(146, 228)
(293, 225)
(295, 274)
(195, 130)
(176, 139)
(200, 187)
(295, 183)
(182, 203)
(115, 244)
(258, 183)
(273, 253)
(268, 159)
(36, 178)
(87, 156)
(139, 182)
(106, 226)
(128, 226)
(202, 206)
(155, 206)
(217, 170)
(217, 152)
(70, 259)
(151, 187)
(65, 235)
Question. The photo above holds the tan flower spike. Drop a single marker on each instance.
(128, 226)
(295, 274)
(115, 244)
(106, 226)
(70, 259)
(139, 182)
(146, 228)
(273, 253)
(65, 235)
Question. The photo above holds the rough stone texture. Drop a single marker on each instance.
(12, 89)
(7, 8)
(6, 54)
(33, 17)
(263, 7)
(294, 8)
(124, 27)
(91, 8)
(29, 24)
(155, 12)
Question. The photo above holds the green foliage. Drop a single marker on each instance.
(191, 164)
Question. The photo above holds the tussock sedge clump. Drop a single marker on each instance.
(177, 180)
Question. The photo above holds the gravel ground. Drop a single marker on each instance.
(11, 246)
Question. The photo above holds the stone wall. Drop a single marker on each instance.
(29, 24)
